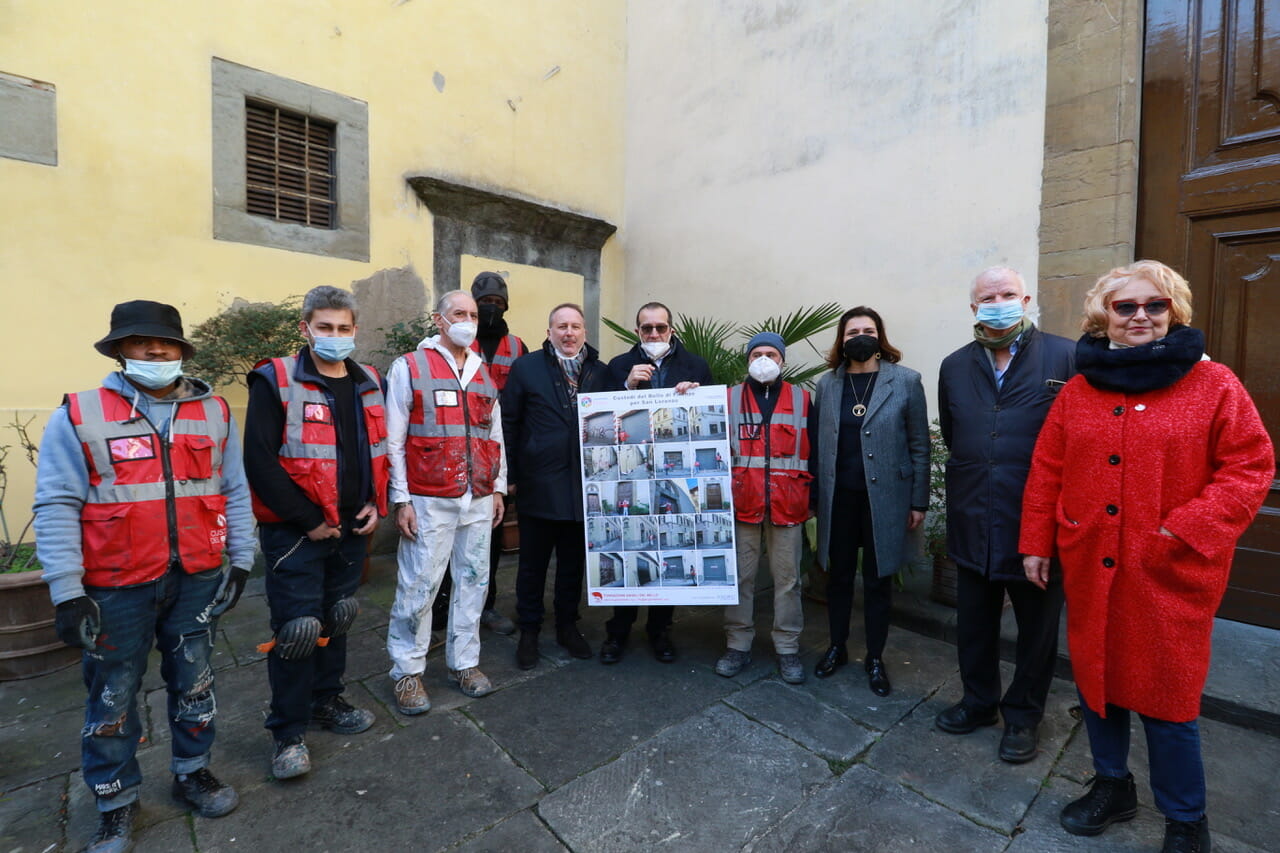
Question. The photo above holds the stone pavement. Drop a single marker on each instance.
(640, 756)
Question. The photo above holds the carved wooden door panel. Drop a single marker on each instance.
(1209, 206)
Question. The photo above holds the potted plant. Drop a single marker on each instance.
(943, 588)
(29, 645)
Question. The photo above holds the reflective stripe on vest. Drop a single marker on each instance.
(152, 498)
(503, 357)
(448, 449)
(309, 446)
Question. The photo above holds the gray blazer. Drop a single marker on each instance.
(895, 450)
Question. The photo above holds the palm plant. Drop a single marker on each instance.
(714, 340)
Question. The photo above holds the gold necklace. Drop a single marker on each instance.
(859, 409)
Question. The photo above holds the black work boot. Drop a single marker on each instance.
(527, 651)
(1186, 836)
(1110, 800)
(115, 830)
(205, 793)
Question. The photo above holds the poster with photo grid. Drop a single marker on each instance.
(657, 497)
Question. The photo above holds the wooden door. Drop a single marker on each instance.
(1209, 206)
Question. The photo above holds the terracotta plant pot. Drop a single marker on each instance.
(28, 644)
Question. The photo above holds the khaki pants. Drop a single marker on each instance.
(783, 544)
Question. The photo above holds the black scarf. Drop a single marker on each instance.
(1133, 370)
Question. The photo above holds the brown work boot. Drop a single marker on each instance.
(411, 696)
(471, 681)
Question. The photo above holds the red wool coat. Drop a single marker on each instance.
(1110, 469)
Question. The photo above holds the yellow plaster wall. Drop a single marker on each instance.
(127, 212)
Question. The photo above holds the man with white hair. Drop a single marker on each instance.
(993, 396)
(444, 440)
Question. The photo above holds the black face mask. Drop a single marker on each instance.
(861, 348)
(490, 314)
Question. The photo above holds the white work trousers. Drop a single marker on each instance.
(457, 528)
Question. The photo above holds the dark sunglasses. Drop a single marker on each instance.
(660, 329)
(1128, 308)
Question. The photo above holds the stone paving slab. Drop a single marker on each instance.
(37, 698)
(422, 788)
(866, 812)
(31, 817)
(575, 718)
(797, 715)
(703, 785)
(37, 748)
(963, 772)
(918, 666)
(522, 832)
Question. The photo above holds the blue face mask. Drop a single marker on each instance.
(153, 374)
(332, 349)
(1000, 315)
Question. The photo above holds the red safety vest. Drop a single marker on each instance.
(309, 448)
(448, 449)
(770, 466)
(152, 498)
(503, 357)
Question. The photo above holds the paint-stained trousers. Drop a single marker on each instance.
(783, 545)
(454, 533)
(173, 614)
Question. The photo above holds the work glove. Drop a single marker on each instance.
(229, 593)
(78, 622)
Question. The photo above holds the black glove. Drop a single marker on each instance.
(78, 622)
(229, 593)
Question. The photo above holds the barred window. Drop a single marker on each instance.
(289, 166)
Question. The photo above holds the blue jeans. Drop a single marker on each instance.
(306, 578)
(173, 613)
(1177, 772)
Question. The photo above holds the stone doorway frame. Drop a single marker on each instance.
(505, 227)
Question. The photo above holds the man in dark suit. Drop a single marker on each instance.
(993, 396)
(544, 453)
(658, 360)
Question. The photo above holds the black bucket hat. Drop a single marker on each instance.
(145, 318)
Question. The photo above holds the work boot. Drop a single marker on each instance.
(115, 830)
(573, 642)
(960, 719)
(1186, 836)
(1110, 800)
(611, 650)
(527, 650)
(496, 622)
(340, 717)
(471, 681)
(291, 759)
(411, 696)
(663, 650)
(790, 668)
(1018, 744)
(732, 662)
(202, 790)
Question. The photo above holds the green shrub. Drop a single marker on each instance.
(229, 344)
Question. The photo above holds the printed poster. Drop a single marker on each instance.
(658, 499)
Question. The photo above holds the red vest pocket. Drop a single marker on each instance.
(192, 457)
(375, 423)
(105, 536)
(789, 497)
(202, 531)
(782, 440)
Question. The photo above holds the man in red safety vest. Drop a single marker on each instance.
(315, 452)
(448, 476)
(769, 442)
(140, 499)
(499, 349)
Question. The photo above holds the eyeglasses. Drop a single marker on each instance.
(1128, 308)
(658, 329)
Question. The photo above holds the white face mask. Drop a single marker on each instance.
(462, 334)
(153, 374)
(655, 349)
(764, 370)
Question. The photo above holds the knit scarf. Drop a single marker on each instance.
(1148, 367)
(981, 335)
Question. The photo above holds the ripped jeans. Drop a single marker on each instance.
(172, 613)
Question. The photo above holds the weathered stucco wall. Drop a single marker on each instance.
(1088, 217)
(782, 153)
(521, 96)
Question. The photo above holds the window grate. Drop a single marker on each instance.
(289, 166)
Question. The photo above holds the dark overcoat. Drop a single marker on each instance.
(540, 428)
(991, 433)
